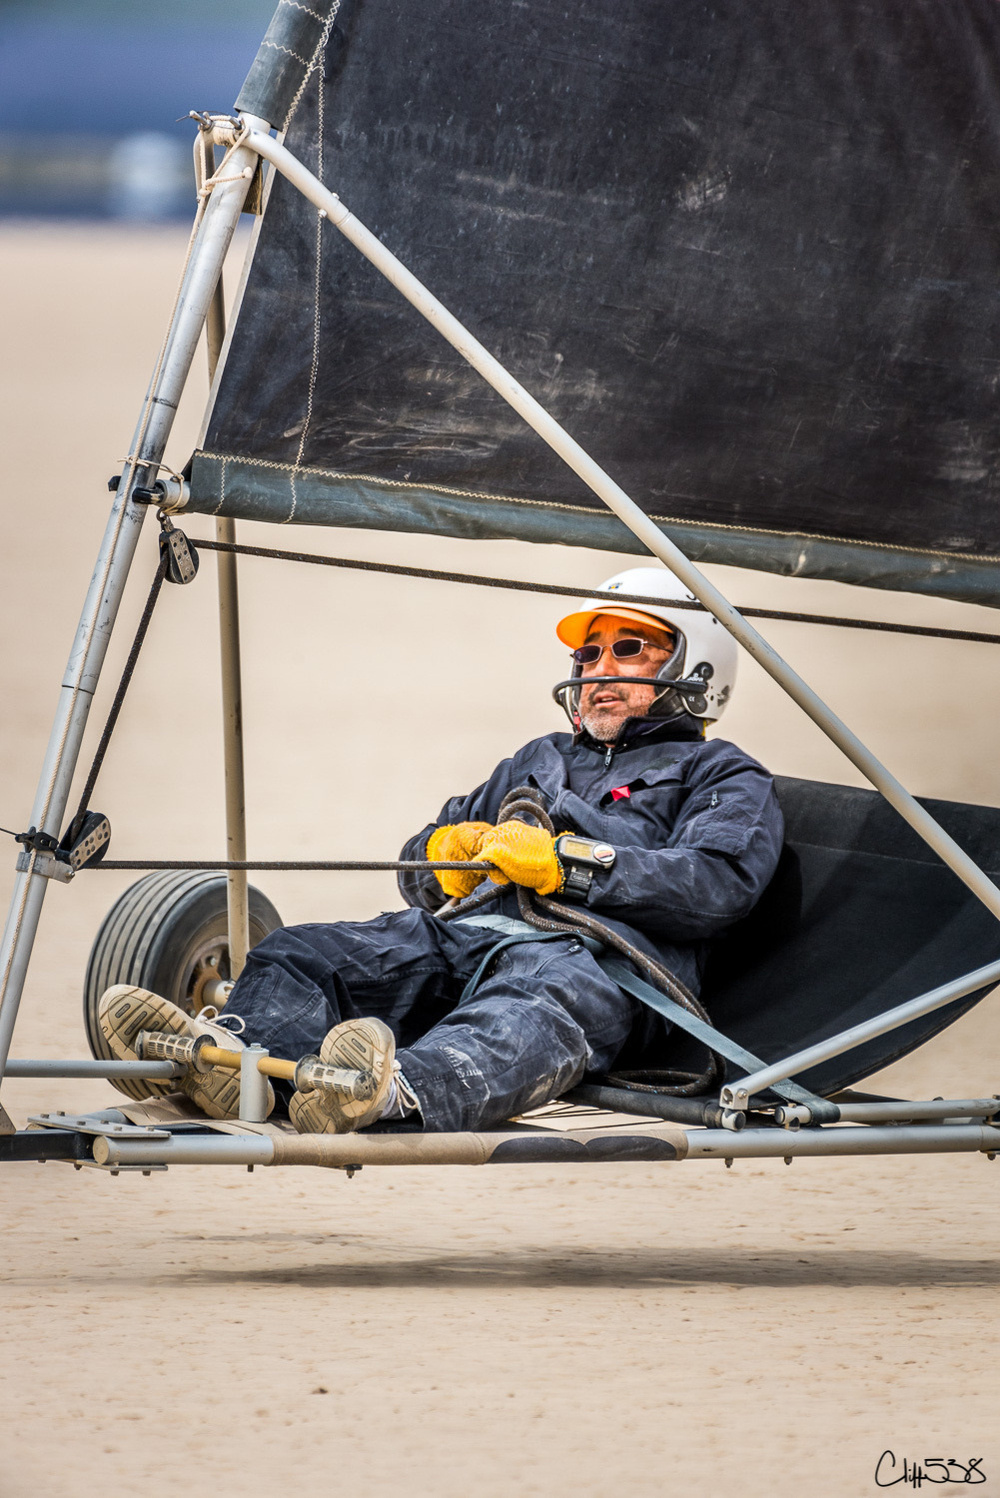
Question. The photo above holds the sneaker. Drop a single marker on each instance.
(124, 1011)
(356, 1045)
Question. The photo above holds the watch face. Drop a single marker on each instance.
(586, 851)
(576, 847)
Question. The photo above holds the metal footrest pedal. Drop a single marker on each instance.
(97, 1123)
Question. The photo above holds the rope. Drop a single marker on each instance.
(211, 183)
(561, 590)
(550, 917)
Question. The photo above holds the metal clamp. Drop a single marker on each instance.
(735, 1103)
(41, 854)
(170, 494)
(792, 1115)
(61, 860)
(253, 1085)
(46, 865)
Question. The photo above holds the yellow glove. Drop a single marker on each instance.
(523, 854)
(451, 844)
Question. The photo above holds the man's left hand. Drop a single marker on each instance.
(523, 855)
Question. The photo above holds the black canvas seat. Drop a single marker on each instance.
(859, 917)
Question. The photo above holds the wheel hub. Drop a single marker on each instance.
(208, 981)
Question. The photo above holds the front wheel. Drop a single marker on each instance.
(168, 933)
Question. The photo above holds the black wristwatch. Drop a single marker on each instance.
(581, 857)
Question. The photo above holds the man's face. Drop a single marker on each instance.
(605, 708)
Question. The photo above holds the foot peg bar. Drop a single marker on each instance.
(201, 1054)
(154, 1045)
(311, 1072)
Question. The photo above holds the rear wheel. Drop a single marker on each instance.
(167, 933)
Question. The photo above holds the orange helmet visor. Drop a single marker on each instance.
(573, 630)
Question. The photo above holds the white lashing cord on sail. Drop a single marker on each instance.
(658, 544)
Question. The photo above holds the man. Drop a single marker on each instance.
(462, 1026)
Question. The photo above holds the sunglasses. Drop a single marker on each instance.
(622, 650)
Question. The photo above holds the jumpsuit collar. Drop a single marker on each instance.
(648, 730)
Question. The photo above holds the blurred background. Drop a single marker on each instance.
(94, 96)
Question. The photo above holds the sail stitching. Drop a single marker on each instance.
(317, 279)
(277, 47)
(222, 487)
(306, 11)
(310, 66)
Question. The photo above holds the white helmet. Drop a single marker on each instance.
(704, 647)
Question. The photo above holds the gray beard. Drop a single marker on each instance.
(603, 727)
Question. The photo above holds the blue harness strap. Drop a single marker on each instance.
(630, 981)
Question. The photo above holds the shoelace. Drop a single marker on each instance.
(406, 1098)
(211, 1016)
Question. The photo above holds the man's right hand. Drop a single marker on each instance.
(460, 842)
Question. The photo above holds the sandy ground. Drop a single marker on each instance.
(650, 1330)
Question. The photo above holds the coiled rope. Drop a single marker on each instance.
(547, 915)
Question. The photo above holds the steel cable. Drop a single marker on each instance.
(427, 574)
(350, 865)
(560, 590)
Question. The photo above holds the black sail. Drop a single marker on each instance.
(747, 254)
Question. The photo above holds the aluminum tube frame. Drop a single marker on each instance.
(658, 544)
(888, 1139)
(160, 1071)
(121, 536)
(237, 880)
(237, 896)
(847, 1040)
(186, 1149)
(703, 1144)
(237, 911)
(919, 1112)
(237, 883)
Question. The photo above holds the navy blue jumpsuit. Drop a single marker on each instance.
(698, 832)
